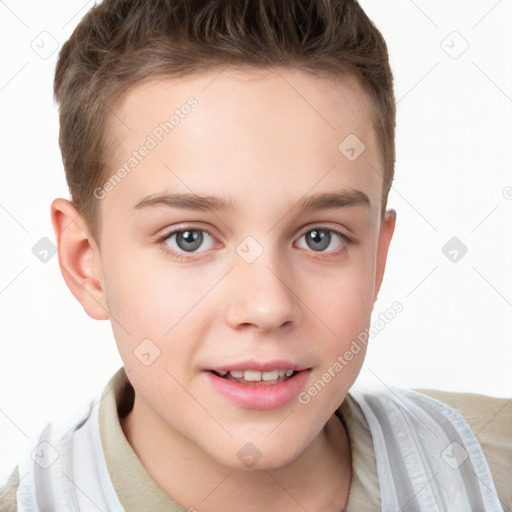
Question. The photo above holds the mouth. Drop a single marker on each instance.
(257, 377)
(259, 386)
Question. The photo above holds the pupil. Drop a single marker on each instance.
(321, 238)
(189, 240)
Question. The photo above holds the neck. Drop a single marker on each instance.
(193, 479)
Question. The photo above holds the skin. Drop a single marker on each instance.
(264, 138)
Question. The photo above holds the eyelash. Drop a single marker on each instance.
(182, 257)
(178, 255)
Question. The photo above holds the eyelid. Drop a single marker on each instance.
(185, 227)
(346, 242)
(303, 231)
(184, 256)
(312, 227)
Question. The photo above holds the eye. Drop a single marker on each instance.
(188, 240)
(321, 239)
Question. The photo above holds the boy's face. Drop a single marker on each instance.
(271, 282)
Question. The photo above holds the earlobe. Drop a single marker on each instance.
(386, 233)
(79, 258)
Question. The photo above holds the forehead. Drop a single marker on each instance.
(279, 129)
(336, 103)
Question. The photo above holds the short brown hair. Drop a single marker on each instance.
(119, 43)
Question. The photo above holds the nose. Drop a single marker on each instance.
(261, 296)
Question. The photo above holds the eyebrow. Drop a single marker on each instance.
(186, 202)
(315, 202)
(332, 200)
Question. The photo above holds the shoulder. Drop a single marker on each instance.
(484, 413)
(8, 492)
(490, 418)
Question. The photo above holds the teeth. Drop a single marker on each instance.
(252, 375)
(273, 375)
(256, 376)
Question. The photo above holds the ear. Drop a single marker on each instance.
(387, 229)
(79, 258)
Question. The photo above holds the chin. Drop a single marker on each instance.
(257, 455)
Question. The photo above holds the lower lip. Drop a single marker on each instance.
(259, 396)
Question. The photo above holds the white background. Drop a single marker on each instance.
(453, 178)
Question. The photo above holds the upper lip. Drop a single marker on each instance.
(262, 366)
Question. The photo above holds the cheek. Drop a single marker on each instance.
(143, 293)
(346, 309)
(151, 300)
(344, 299)
(343, 304)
